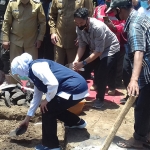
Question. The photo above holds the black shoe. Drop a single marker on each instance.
(98, 104)
(123, 101)
(81, 124)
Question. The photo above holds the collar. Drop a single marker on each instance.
(129, 19)
(19, 2)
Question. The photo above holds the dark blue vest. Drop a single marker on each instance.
(69, 81)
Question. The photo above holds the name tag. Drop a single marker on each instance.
(16, 10)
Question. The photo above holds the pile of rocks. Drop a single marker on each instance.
(13, 95)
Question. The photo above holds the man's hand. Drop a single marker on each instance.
(77, 65)
(6, 45)
(110, 25)
(25, 122)
(43, 106)
(54, 38)
(133, 88)
(38, 43)
(76, 42)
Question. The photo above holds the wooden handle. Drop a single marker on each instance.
(118, 122)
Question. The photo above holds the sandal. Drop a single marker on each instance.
(145, 140)
(125, 144)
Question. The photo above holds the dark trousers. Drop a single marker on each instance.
(119, 71)
(127, 70)
(142, 112)
(57, 109)
(105, 66)
(4, 60)
(93, 66)
(47, 48)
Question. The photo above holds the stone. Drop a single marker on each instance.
(17, 96)
(21, 102)
(7, 99)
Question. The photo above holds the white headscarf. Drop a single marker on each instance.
(20, 64)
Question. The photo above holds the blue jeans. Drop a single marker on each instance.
(142, 112)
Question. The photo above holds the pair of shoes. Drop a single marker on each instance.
(111, 92)
(123, 101)
(81, 124)
(98, 103)
(41, 147)
(93, 87)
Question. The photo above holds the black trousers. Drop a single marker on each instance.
(4, 60)
(119, 71)
(46, 50)
(105, 66)
(57, 109)
(142, 112)
(127, 70)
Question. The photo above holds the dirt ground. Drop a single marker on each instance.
(11, 117)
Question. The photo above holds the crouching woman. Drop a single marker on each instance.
(63, 87)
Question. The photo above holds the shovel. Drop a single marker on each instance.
(118, 122)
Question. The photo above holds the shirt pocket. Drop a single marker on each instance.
(15, 14)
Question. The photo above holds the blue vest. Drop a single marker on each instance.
(69, 81)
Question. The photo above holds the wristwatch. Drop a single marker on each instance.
(84, 62)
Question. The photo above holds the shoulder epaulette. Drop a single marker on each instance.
(37, 1)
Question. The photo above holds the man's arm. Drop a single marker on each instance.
(137, 40)
(137, 66)
(93, 56)
(7, 23)
(42, 23)
(53, 17)
(79, 54)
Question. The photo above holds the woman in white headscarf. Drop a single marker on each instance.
(63, 88)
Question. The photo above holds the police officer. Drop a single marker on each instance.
(23, 27)
(4, 55)
(63, 29)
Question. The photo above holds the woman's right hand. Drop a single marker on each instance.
(25, 122)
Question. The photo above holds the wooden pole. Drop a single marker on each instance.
(118, 122)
